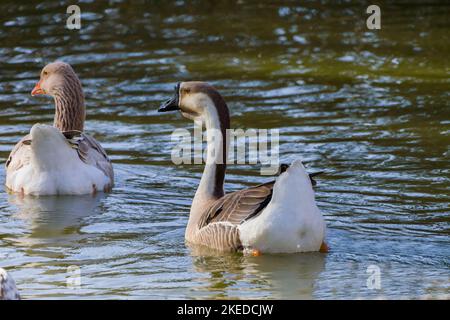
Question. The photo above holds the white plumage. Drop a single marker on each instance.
(291, 222)
(55, 167)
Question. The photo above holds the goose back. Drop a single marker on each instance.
(88, 149)
(218, 226)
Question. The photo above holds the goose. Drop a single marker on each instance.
(280, 216)
(59, 159)
(8, 289)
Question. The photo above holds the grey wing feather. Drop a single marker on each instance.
(218, 227)
(19, 156)
(240, 206)
(91, 152)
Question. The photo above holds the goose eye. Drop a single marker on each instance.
(184, 91)
(45, 73)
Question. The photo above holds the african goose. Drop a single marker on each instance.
(59, 159)
(276, 217)
(8, 290)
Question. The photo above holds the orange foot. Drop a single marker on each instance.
(324, 248)
(256, 253)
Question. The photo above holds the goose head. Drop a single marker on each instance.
(55, 77)
(196, 99)
(60, 81)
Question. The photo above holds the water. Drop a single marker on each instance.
(370, 108)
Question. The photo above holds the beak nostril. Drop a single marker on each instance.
(170, 105)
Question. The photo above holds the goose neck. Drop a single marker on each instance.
(216, 121)
(70, 111)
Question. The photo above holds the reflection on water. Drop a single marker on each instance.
(267, 276)
(53, 217)
(368, 108)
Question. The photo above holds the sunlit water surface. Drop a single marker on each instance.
(370, 108)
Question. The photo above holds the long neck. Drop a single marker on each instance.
(211, 184)
(70, 111)
(217, 121)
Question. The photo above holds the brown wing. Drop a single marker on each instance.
(218, 226)
(91, 152)
(239, 206)
(19, 156)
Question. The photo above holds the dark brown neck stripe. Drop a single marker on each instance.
(224, 119)
(69, 104)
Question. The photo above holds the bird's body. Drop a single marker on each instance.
(59, 159)
(291, 221)
(278, 216)
(53, 164)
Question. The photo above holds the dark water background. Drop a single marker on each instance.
(371, 108)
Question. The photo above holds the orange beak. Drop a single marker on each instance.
(37, 89)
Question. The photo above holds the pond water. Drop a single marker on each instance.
(370, 108)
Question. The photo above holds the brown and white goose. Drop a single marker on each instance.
(279, 216)
(59, 159)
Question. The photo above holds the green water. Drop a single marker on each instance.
(370, 108)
